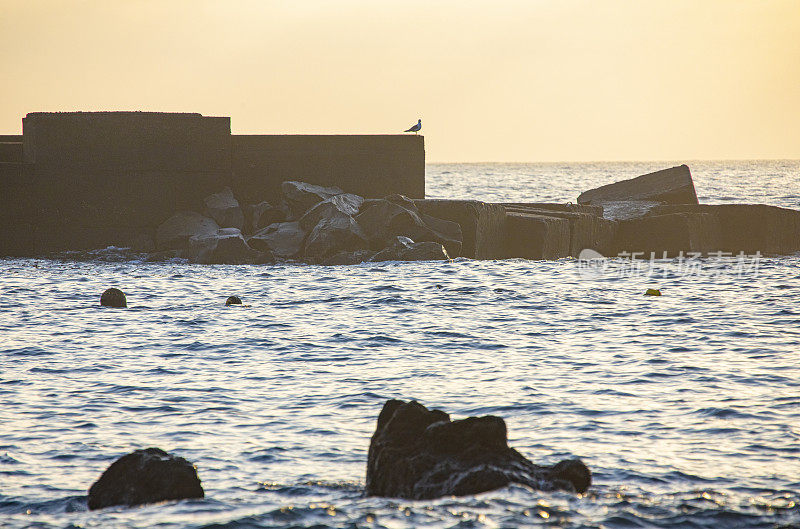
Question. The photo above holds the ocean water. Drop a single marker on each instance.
(686, 407)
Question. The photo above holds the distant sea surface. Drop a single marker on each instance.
(686, 407)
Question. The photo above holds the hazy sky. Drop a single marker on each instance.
(526, 80)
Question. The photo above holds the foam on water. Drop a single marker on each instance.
(684, 406)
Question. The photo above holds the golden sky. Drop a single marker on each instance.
(500, 80)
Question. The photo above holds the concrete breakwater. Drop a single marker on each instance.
(79, 181)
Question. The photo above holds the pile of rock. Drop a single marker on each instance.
(309, 223)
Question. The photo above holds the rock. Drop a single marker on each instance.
(349, 258)
(261, 215)
(331, 236)
(668, 186)
(482, 225)
(344, 205)
(226, 246)
(163, 256)
(283, 239)
(113, 297)
(175, 232)
(224, 209)
(233, 300)
(404, 249)
(419, 454)
(384, 219)
(301, 196)
(145, 476)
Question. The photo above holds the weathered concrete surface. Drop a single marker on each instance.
(596, 210)
(668, 235)
(587, 228)
(531, 236)
(668, 186)
(370, 166)
(748, 228)
(11, 151)
(482, 224)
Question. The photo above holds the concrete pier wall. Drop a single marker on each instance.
(82, 180)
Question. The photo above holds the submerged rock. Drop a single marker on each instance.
(417, 453)
(301, 196)
(113, 297)
(224, 209)
(175, 232)
(145, 476)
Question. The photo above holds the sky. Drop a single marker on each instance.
(499, 80)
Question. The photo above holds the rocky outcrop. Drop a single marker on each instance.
(384, 219)
(338, 206)
(175, 232)
(284, 240)
(333, 235)
(224, 209)
(145, 476)
(668, 186)
(404, 249)
(226, 246)
(417, 453)
(300, 196)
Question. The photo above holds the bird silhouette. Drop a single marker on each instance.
(416, 128)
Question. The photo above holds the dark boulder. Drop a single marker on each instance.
(145, 476)
(259, 216)
(301, 196)
(226, 246)
(282, 239)
(344, 205)
(668, 186)
(113, 297)
(384, 219)
(333, 235)
(224, 209)
(417, 453)
(175, 232)
(404, 249)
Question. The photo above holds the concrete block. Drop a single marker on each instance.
(668, 186)
(672, 233)
(555, 206)
(586, 229)
(482, 224)
(531, 236)
(749, 228)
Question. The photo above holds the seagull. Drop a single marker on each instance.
(416, 128)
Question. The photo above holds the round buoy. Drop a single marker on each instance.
(233, 300)
(113, 297)
(652, 292)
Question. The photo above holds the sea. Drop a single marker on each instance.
(685, 406)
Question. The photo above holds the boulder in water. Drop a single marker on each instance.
(417, 453)
(668, 186)
(145, 476)
(404, 249)
(333, 235)
(338, 206)
(282, 239)
(226, 246)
